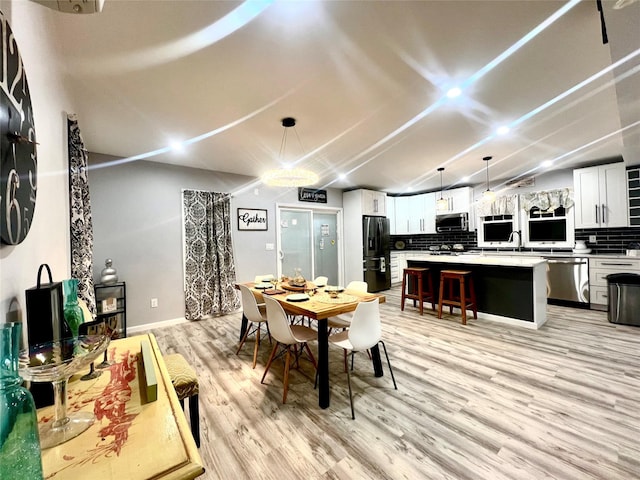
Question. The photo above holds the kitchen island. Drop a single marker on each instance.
(508, 289)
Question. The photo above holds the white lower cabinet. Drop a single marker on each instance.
(599, 268)
(398, 264)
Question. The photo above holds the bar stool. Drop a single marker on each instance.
(412, 278)
(466, 298)
(185, 381)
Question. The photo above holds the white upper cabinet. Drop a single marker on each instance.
(600, 196)
(374, 203)
(459, 200)
(391, 214)
(415, 214)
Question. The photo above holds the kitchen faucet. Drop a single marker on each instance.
(519, 238)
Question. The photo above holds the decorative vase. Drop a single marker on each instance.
(109, 275)
(298, 279)
(73, 315)
(19, 441)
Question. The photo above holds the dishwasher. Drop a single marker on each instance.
(568, 281)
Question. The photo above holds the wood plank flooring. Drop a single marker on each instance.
(481, 401)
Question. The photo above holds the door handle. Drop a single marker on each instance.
(597, 215)
(604, 220)
(280, 254)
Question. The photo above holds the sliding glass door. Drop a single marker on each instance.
(308, 239)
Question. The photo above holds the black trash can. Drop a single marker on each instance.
(624, 298)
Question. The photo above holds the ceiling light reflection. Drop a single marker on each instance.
(454, 92)
(169, 52)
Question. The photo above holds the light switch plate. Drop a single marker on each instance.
(592, 239)
(269, 246)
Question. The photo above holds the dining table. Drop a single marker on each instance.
(319, 307)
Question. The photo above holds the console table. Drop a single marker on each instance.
(131, 438)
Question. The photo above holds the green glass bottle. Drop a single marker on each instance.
(20, 457)
(73, 315)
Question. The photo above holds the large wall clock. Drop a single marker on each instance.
(18, 160)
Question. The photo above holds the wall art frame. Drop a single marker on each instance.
(252, 219)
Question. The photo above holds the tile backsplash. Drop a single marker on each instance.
(608, 240)
(424, 241)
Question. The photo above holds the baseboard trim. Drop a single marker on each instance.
(152, 325)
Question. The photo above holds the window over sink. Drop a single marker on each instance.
(549, 219)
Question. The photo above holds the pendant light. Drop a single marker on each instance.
(289, 177)
(442, 204)
(488, 195)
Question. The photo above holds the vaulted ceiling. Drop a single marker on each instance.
(367, 82)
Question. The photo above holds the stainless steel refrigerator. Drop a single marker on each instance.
(375, 235)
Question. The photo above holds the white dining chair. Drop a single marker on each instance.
(344, 320)
(288, 337)
(364, 333)
(320, 281)
(255, 319)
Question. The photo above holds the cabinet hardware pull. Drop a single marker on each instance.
(597, 216)
(604, 220)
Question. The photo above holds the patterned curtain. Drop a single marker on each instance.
(549, 200)
(503, 205)
(209, 268)
(80, 215)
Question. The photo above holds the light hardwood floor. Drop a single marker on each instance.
(481, 401)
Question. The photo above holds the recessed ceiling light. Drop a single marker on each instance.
(342, 176)
(465, 179)
(546, 163)
(409, 189)
(454, 92)
(177, 146)
(503, 130)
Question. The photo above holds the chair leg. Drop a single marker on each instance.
(463, 301)
(194, 414)
(353, 414)
(270, 361)
(440, 296)
(255, 349)
(384, 347)
(244, 337)
(311, 357)
(287, 363)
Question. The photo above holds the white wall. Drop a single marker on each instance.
(48, 240)
(137, 221)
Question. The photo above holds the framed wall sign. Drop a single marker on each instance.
(252, 219)
(312, 195)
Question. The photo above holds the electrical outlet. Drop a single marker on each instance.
(154, 303)
(592, 239)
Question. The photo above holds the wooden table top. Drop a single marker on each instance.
(318, 306)
(130, 439)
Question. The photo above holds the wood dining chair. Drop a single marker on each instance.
(364, 333)
(288, 338)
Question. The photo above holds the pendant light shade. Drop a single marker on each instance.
(442, 204)
(488, 194)
(289, 177)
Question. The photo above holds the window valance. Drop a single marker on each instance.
(549, 200)
(503, 205)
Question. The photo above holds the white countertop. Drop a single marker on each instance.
(470, 259)
(508, 253)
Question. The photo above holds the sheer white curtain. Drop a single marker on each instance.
(209, 270)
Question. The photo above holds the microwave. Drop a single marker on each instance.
(452, 222)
